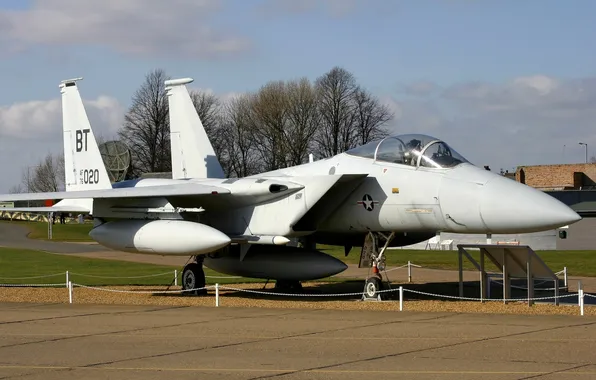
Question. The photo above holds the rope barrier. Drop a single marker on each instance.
(31, 285)
(260, 292)
(33, 277)
(106, 277)
(70, 285)
(141, 291)
(123, 277)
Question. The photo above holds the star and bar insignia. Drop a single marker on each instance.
(368, 202)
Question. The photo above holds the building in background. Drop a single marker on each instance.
(574, 185)
(558, 177)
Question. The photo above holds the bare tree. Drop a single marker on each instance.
(273, 128)
(146, 129)
(335, 91)
(100, 139)
(47, 176)
(16, 189)
(269, 120)
(303, 120)
(350, 116)
(238, 155)
(207, 106)
(209, 109)
(370, 118)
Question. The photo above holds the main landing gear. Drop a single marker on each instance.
(193, 277)
(371, 256)
(287, 286)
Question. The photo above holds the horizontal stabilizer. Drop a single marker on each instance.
(188, 189)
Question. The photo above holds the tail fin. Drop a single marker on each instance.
(193, 155)
(83, 166)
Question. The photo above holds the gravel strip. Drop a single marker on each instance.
(234, 299)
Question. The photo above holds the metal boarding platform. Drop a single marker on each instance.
(515, 262)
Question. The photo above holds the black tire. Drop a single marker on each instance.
(193, 277)
(372, 287)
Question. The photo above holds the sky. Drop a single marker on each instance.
(504, 82)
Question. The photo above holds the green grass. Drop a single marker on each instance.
(73, 232)
(16, 264)
(578, 263)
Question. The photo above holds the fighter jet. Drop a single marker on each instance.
(402, 189)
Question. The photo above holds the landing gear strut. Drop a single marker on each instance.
(193, 277)
(376, 259)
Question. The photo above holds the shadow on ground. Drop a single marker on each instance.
(354, 288)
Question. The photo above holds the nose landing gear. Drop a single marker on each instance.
(371, 256)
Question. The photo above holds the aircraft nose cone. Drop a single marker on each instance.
(507, 206)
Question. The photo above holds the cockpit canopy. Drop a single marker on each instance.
(414, 150)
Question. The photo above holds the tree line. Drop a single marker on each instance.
(274, 127)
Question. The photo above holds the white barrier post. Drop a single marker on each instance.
(67, 279)
(69, 292)
(580, 297)
(409, 271)
(175, 277)
(565, 277)
(579, 288)
(216, 295)
(401, 298)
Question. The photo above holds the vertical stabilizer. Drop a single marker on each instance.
(83, 166)
(193, 155)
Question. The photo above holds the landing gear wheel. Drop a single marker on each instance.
(193, 277)
(372, 287)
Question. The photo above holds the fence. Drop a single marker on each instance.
(67, 275)
(401, 290)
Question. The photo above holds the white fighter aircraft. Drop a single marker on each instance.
(401, 189)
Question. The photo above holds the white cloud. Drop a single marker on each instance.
(524, 121)
(31, 130)
(133, 27)
(39, 119)
(421, 88)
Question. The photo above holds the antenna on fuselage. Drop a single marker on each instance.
(311, 158)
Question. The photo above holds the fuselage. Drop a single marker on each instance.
(413, 191)
(459, 199)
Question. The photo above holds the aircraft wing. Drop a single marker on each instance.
(73, 208)
(325, 193)
(329, 201)
(180, 190)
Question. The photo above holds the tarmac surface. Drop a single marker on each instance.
(15, 236)
(57, 341)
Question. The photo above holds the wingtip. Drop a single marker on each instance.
(178, 82)
(69, 82)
